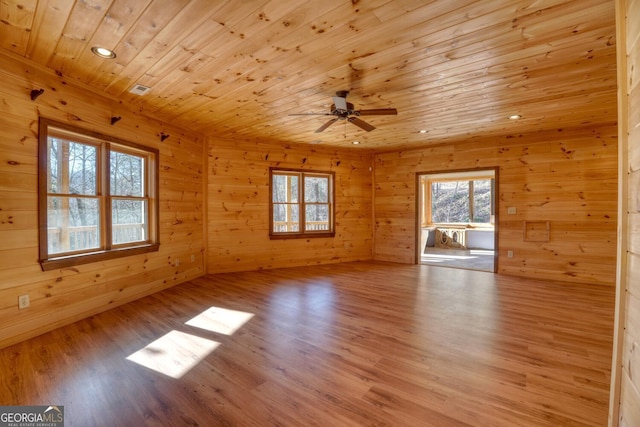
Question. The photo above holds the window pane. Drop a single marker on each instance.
(54, 180)
(71, 167)
(286, 217)
(285, 188)
(279, 190)
(316, 189)
(72, 224)
(127, 172)
(450, 201)
(482, 201)
(128, 221)
(316, 217)
(294, 184)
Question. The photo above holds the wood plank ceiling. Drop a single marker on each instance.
(237, 69)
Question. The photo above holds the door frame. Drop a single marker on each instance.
(496, 200)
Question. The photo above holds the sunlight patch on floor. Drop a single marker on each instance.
(220, 320)
(469, 259)
(440, 258)
(174, 354)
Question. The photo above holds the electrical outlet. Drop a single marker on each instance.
(511, 210)
(509, 254)
(193, 258)
(177, 262)
(23, 301)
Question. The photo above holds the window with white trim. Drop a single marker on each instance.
(97, 196)
(301, 203)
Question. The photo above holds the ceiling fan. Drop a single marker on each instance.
(343, 110)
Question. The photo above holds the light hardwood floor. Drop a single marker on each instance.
(367, 343)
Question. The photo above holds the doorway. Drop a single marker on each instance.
(457, 221)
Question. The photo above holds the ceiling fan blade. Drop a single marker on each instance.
(310, 114)
(361, 124)
(378, 112)
(326, 125)
(340, 103)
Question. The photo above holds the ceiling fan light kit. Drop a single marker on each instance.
(343, 110)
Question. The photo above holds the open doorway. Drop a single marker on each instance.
(457, 221)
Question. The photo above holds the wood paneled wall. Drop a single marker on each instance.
(626, 386)
(62, 296)
(238, 203)
(567, 177)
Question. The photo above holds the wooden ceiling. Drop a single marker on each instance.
(237, 69)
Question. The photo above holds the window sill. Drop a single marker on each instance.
(281, 236)
(73, 260)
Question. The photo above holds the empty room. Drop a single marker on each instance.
(336, 213)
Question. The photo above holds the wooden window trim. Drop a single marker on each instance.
(108, 250)
(302, 234)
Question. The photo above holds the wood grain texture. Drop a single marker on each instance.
(627, 387)
(350, 344)
(237, 70)
(238, 206)
(567, 177)
(225, 75)
(62, 296)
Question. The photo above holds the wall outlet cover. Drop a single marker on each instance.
(23, 301)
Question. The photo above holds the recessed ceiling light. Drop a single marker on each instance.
(515, 117)
(103, 52)
(356, 142)
(423, 131)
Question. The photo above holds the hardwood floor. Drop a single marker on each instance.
(366, 343)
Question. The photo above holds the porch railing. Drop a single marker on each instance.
(87, 237)
(284, 226)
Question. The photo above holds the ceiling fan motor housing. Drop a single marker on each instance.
(343, 113)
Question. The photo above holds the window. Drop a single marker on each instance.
(461, 201)
(301, 204)
(97, 196)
